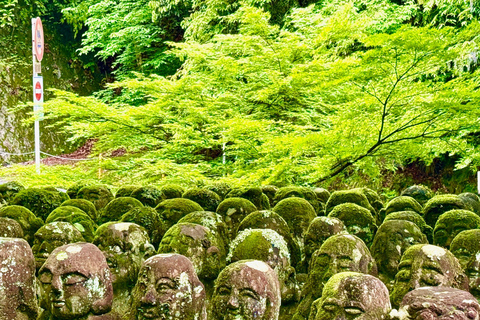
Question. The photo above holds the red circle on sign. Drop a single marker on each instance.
(38, 91)
(38, 43)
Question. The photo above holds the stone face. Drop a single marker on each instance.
(351, 295)
(466, 248)
(197, 243)
(51, 236)
(419, 192)
(438, 303)
(99, 195)
(148, 218)
(319, 230)
(77, 217)
(117, 207)
(76, 282)
(10, 228)
(412, 217)
(208, 199)
(452, 223)
(40, 201)
(84, 205)
(233, 211)
(440, 204)
(339, 253)
(403, 203)
(300, 192)
(393, 238)
(168, 288)
(425, 265)
(17, 280)
(252, 194)
(355, 196)
(268, 246)
(247, 289)
(358, 220)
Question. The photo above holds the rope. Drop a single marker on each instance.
(47, 154)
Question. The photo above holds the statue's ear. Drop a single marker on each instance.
(149, 251)
(461, 282)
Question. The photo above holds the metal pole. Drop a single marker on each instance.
(35, 107)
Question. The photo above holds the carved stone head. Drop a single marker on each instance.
(352, 295)
(248, 290)
(466, 248)
(51, 236)
(17, 280)
(77, 282)
(438, 303)
(168, 288)
(425, 265)
(452, 223)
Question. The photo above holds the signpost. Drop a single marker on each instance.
(38, 48)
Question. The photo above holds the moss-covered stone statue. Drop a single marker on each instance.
(168, 288)
(247, 290)
(17, 280)
(211, 220)
(40, 201)
(51, 236)
(440, 204)
(319, 230)
(438, 303)
(208, 199)
(84, 205)
(355, 196)
(403, 203)
(72, 191)
(267, 219)
(148, 218)
(10, 228)
(374, 199)
(29, 222)
(419, 192)
(352, 295)
(148, 195)
(99, 195)
(300, 192)
(77, 217)
(125, 191)
(116, 208)
(125, 246)
(8, 190)
(252, 194)
(412, 217)
(220, 188)
(270, 191)
(172, 210)
(322, 195)
(424, 265)
(358, 220)
(77, 283)
(452, 223)
(339, 253)
(200, 245)
(268, 246)
(392, 239)
(233, 211)
(298, 213)
(466, 248)
(172, 191)
(472, 200)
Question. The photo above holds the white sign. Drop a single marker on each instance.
(38, 96)
(38, 39)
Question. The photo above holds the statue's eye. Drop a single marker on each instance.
(330, 307)
(74, 278)
(249, 293)
(223, 291)
(165, 285)
(404, 275)
(353, 311)
(45, 277)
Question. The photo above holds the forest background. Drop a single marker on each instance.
(331, 93)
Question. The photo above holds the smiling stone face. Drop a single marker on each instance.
(76, 281)
(351, 295)
(425, 265)
(168, 288)
(246, 290)
(439, 303)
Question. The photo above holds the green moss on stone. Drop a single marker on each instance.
(77, 217)
(419, 192)
(148, 218)
(300, 192)
(252, 194)
(172, 210)
(125, 191)
(208, 199)
(220, 188)
(148, 195)
(117, 207)
(270, 191)
(172, 191)
(99, 195)
(298, 213)
(84, 205)
(73, 190)
(322, 195)
(26, 218)
(451, 223)
(414, 217)
(8, 190)
(472, 200)
(440, 204)
(403, 203)
(40, 201)
(355, 196)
